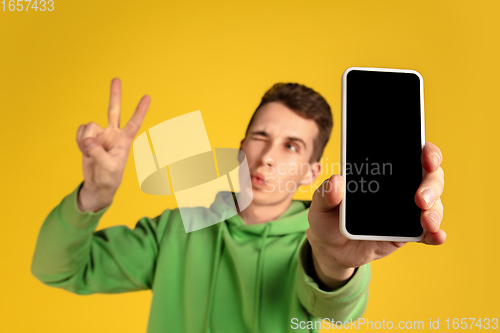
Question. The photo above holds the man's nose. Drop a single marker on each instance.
(268, 158)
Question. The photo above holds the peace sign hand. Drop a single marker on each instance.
(105, 151)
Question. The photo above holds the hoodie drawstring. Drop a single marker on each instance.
(218, 250)
(258, 279)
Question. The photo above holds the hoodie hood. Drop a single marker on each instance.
(293, 220)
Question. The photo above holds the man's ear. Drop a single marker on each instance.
(240, 152)
(312, 174)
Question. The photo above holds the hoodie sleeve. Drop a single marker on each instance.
(345, 303)
(70, 255)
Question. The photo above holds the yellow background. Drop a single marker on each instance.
(220, 57)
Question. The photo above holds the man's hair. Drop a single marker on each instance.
(308, 104)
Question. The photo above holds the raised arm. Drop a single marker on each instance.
(69, 254)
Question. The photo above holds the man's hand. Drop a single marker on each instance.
(105, 152)
(336, 257)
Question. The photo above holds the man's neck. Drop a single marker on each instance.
(258, 214)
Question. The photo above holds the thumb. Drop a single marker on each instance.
(92, 147)
(329, 194)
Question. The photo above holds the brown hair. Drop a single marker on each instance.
(308, 104)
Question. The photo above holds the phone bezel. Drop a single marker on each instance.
(342, 224)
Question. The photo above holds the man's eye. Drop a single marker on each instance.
(291, 147)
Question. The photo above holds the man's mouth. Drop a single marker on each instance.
(258, 179)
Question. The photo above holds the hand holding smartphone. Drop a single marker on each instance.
(382, 140)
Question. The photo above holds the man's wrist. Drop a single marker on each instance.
(92, 201)
(330, 274)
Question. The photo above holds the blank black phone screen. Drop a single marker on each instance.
(383, 150)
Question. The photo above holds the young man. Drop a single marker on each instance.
(278, 266)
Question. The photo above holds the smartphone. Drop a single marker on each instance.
(382, 137)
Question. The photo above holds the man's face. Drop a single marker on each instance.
(278, 147)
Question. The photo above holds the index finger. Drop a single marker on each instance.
(133, 125)
(114, 103)
(431, 157)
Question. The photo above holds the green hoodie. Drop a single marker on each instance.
(228, 277)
